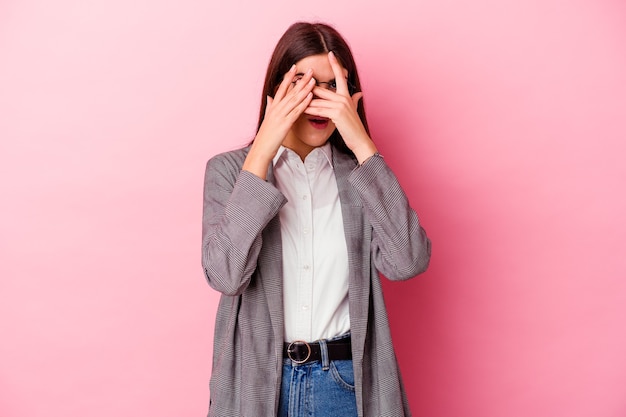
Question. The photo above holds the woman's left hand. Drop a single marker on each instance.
(341, 108)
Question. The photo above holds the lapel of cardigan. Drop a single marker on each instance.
(271, 274)
(359, 268)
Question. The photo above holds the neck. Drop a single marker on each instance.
(302, 149)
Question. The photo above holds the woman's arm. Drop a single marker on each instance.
(237, 207)
(238, 203)
(400, 247)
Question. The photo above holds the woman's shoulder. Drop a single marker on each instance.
(231, 159)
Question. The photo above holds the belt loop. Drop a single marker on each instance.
(324, 354)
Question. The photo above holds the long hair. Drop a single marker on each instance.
(301, 40)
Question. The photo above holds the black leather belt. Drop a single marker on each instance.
(303, 352)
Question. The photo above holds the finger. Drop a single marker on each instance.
(285, 83)
(323, 108)
(301, 107)
(330, 97)
(296, 92)
(290, 99)
(322, 103)
(336, 99)
(319, 112)
(305, 81)
(340, 77)
(296, 95)
(324, 93)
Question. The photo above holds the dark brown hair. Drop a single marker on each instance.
(301, 40)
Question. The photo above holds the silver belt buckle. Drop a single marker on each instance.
(299, 342)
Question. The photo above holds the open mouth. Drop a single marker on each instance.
(319, 122)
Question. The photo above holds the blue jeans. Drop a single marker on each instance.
(318, 389)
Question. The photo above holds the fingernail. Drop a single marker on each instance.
(293, 67)
(309, 71)
(331, 54)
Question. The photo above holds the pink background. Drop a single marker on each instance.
(505, 121)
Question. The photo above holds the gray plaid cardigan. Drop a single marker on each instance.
(241, 257)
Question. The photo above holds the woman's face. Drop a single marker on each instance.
(309, 132)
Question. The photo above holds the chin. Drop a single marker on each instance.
(317, 141)
(318, 137)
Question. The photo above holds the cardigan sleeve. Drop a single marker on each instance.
(400, 247)
(237, 207)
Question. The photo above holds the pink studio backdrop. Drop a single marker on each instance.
(504, 120)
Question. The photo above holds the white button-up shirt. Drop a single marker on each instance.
(315, 255)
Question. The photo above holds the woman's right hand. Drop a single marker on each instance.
(281, 112)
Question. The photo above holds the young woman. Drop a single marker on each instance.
(296, 228)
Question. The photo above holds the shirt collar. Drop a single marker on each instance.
(326, 149)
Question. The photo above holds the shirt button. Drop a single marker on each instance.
(304, 197)
(305, 307)
(306, 267)
(305, 230)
